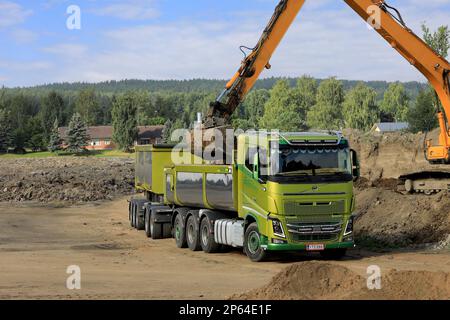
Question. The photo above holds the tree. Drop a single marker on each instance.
(281, 111)
(52, 107)
(5, 131)
(35, 136)
(88, 106)
(55, 141)
(306, 92)
(438, 40)
(327, 112)
(252, 109)
(359, 108)
(395, 102)
(167, 131)
(422, 117)
(77, 136)
(124, 118)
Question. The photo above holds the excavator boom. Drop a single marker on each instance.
(434, 67)
(388, 23)
(244, 79)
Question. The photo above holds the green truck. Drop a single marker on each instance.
(286, 192)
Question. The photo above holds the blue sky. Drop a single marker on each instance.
(181, 39)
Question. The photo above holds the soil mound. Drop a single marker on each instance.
(318, 280)
(388, 218)
(65, 179)
(390, 155)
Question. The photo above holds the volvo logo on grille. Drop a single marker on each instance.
(317, 229)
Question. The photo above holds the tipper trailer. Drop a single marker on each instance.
(290, 191)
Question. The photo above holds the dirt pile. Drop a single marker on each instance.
(318, 280)
(65, 179)
(389, 155)
(388, 218)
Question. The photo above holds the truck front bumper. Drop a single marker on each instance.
(302, 246)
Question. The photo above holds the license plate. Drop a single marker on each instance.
(315, 247)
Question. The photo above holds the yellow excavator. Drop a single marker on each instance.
(388, 22)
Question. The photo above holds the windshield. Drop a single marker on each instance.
(311, 161)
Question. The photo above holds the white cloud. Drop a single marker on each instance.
(68, 50)
(129, 10)
(23, 36)
(12, 14)
(326, 40)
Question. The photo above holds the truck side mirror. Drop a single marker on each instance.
(356, 172)
(256, 166)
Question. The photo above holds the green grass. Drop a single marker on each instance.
(46, 154)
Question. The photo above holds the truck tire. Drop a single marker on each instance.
(139, 219)
(167, 230)
(252, 244)
(129, 211)
(133, 215)
(179, 232)
(192, 234)
(147, 223)
(207, 242)
(155, 228)
(333, 254)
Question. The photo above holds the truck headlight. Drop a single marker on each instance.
(278, 228)
(349, 228)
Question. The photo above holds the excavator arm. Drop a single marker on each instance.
(434, 67)
(243, 81)
(391, 27)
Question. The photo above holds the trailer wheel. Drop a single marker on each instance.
(333, 254)
(252, 244)
(207, 242)
(155, 228)
(167, 230)
(140, 225)
(147, 223)
(180, 232)
(129, 211)
(133, 216)
(192, 237)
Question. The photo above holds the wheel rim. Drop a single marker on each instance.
(205, 235)
(190, 233)
(253, 243)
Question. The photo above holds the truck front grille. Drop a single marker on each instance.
(314, 208)
(314, 231)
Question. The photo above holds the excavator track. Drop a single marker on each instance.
(427, 182)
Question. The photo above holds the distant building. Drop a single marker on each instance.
(101, 136)
(149, 135)
(384, 127)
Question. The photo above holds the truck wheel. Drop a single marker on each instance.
(167, 230)
(179, 232)
(147, 223)
(252, 244)
(333, 254)
(133, 216)
(129, 211)
(155, 228)
(140, 225)
(192, 238)
(207, 242)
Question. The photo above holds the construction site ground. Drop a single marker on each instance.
(59, 212)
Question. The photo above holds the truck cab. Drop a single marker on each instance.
(296, 192)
